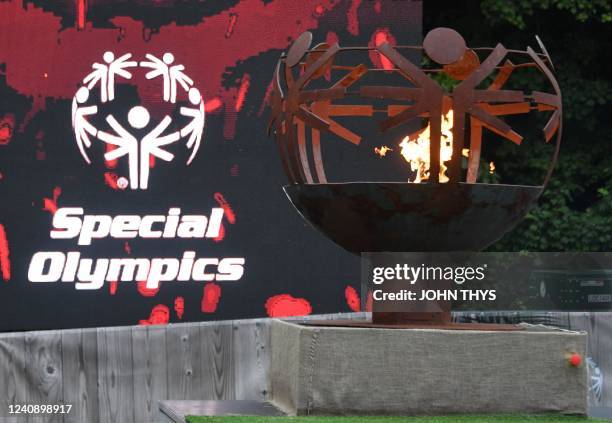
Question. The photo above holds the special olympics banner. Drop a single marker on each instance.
(137, 184)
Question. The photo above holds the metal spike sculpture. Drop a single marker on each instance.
(459, 214)
(295, 108)
(454, 214)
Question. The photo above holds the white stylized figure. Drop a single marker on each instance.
(129, 140)
(171, 74)
(82, 128)
(150, 146)
(196, 125)
(105, 74)
(596, 376)
(127, 144)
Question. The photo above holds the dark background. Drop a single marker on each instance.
(230, 49)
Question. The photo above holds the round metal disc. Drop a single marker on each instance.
(299, 48)
(463, 67)
(444, 45)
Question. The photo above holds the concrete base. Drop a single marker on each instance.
(339, 370)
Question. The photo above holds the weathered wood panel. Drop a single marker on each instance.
(150, 375)
(115, 375)
(13, 384)
(184, 349)
(251, 358)
(603, 328)
(599, 327)
(80, 372)
(120, 374)
(217, 362)
(43, 372)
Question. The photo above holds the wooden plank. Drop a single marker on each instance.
(583, 321)
(251, 359)
(80, 374)
(150, 376)
(602, 346)
(118, 374)
(43, 373)
(184, 350)
(12, 373)
(115, 375)
(217, 362)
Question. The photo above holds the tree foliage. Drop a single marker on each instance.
(518, 12)
(575, 211)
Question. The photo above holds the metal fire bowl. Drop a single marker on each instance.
(396, 216)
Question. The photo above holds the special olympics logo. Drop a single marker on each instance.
(138, 137)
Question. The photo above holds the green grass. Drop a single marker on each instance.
(428, 419)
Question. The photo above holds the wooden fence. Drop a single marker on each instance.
(119, 374)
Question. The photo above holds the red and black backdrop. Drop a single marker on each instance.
(229, 49)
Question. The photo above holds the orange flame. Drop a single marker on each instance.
(415, 150)
(382, 151)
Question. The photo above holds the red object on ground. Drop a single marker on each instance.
(284, 305)
(210, 299)
(575, 360)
